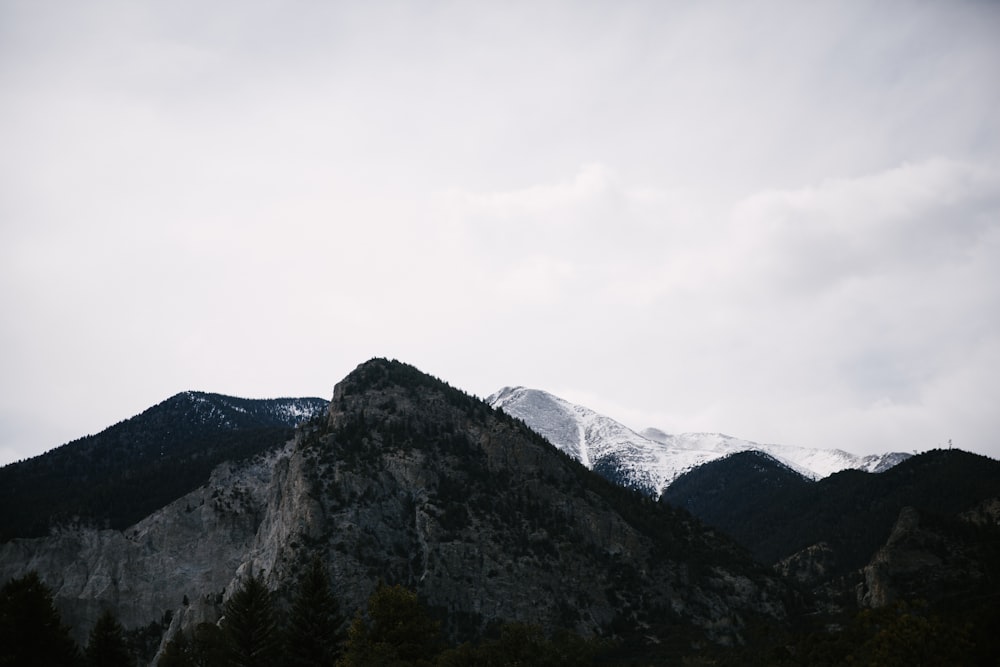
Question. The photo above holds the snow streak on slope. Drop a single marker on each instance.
(599, 442)
(652, 460)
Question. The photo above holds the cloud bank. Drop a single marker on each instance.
(779, 222)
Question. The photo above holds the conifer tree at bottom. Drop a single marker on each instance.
(314, 637)
(31, 631)
(251, 626)
(107, 647)
(397, 632)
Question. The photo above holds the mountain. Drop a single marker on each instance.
(408, 481)
(652, 460)
(125, 472)
(777, 514)
(813, 463)
(906, 563)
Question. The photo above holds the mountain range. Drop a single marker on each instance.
(402, 479)
(650, 461)
(519, 509)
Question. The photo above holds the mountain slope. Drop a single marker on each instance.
(130, 469)
(600, 443)
(851, 512)
(651, 461)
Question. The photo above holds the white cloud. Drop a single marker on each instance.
(911, 218)
(835, 312)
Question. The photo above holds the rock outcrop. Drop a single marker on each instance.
(189, 550)
(929, 558)
(809, 567)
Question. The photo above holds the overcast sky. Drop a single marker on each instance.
(779, 221)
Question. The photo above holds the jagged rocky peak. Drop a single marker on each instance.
(399, 407)
(387, 387)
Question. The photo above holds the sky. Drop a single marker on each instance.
(775, 220)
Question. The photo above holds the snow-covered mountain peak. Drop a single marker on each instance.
(650, 461)
(558, 420)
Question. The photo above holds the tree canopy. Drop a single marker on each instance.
(314, 635)
(107, 646)
(31, 631)
(251, 626)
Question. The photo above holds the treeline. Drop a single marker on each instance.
(904, 634)
(394, 629)
(32, 633)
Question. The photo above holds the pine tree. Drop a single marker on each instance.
(398, 632)
(251, 627)
(314, 633)
(31, 631)
(107, 647)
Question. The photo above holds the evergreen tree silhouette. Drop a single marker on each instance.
(31, 631)
(397, 632)
(251, 627)
(107, 647)
(314, 632)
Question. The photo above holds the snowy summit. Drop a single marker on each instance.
(652, 460)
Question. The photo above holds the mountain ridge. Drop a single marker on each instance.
(143, 462)
(652, 460)
(852, 511)
(406, 480)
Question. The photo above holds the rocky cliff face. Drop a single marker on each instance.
(190, 549)
(409, 481)
(931, 558)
